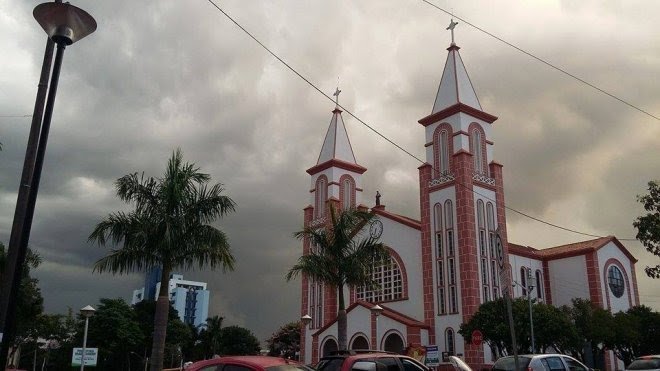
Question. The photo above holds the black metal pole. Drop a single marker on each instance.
(16, 257)
(32, 195)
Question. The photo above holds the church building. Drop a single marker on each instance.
(443, 263)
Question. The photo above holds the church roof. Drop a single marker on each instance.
(336, 145)
(455, 85)
(568, 250)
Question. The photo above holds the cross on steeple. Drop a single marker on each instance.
(336, 94)
(451, 27)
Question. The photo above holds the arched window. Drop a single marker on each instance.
(360, 342)
(615, 281)
(441, 139)
(329, 346)
(523, 280)
(477, 152)
(539, 285)
(437, 213)
(451, 260)
(443, 152)
(389, 280)
(321, 195)
(440, 262)
(450, 341)
(347, 192)
(316, 303)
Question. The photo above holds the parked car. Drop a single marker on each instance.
(540, 362)
(247, 363)
(646, 363)
(368, 360)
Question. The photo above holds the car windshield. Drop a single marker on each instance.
(509, 364)
(644, 364)
(332, 364)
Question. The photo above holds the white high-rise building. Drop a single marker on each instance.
(189, 298)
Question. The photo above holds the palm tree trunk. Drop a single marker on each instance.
(160, 321)
(342, 326)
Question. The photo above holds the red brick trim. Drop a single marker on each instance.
(456, 108)
(427, 250)
(336, 163)
(634, 283)
(465, 231)
(546, 283)
(315, 348)
(397, 218)
(593, 279)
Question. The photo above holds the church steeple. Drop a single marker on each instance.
(455, 86)
(337, 150)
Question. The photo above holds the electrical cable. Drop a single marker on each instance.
(383, 136)
(546, 62)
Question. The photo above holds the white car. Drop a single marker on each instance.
(540, 362)
(645, 363)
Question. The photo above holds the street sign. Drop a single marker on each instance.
(90, 356)
(477, 338)
(432, 356)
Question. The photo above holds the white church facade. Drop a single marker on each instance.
(443, 262)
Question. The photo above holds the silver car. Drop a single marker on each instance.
(540, 362)
(645, 363)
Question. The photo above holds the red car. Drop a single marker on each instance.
(247, 363)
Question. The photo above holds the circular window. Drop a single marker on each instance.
(615, 281)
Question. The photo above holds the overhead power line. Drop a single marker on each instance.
(545, 62)
(13, 116)
(382, 135)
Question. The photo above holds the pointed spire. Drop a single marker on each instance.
(455, 86)
(336, 144)
(337, 149)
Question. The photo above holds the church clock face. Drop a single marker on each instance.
(376, 229)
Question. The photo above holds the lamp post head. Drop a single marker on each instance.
(64, 23)
(306, 319)
(377, 310)
(87, 311)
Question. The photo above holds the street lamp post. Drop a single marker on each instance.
(64, 24)
(531, 282)
(305, 320)
(377, 310)
(87, 312)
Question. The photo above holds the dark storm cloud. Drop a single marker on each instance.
(161, 75)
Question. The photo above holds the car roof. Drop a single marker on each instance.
(263, 361)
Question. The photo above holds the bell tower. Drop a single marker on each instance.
(462, 204)
(336, 180)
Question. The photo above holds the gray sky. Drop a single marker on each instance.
(160, 75)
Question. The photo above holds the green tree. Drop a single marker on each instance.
(169, 227)
(595, 329)
(636, 333)
(648, 226)
(209, 336)
(340, 257)
(286, 341)
(552, 327)
(114, 329)
(29, 302)
(238, 341)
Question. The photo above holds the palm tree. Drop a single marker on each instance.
(339, 257)
(169, 227)
(210, 335)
